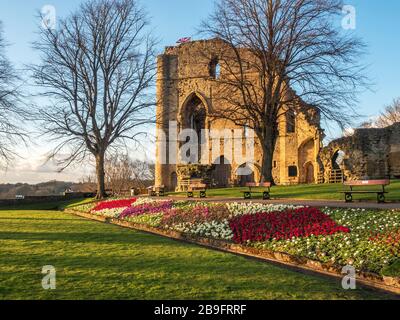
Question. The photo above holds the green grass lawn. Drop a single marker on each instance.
(307, 192)
(100, 261)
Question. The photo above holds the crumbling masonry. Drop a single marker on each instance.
(186, 84)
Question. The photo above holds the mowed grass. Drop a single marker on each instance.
(308, 192)
(100, 261)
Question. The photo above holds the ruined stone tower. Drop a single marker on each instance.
(186, 83)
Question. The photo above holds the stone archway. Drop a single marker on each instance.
(247, 173)
(337, 160)
(307, 160)
(193, 116)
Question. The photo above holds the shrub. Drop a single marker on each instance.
(303, 222)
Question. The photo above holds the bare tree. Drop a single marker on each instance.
(280, 57)
(388, 117)
(97, 69)
(143, 173)
(11, 114)
(122, 173)
(119, 173)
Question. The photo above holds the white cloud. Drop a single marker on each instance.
(31, 167)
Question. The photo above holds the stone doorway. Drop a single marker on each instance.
(245, 174)
(307, 159)
(221, 175)
(174, 181)
(309, 172)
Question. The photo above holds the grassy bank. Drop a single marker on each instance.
(100, 261)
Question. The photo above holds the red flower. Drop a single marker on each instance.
(303, 222)
(114, 204)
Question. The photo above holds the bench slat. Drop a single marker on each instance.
(198, 187)
(261, 185)
(366, 192)
(367, 183)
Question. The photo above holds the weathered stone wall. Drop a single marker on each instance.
(369, 154)
(184, 75)
(394, 151)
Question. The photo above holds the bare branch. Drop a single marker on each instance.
(280, 56)
(12, 133)
(97, 70)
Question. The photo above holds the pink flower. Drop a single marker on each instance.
(147, 208)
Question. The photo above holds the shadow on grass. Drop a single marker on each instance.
(100, 261)
(176, 271)
(90, 237)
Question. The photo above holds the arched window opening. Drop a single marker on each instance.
(290, 122)
(337, 160)
(215, 69)
(194, 117)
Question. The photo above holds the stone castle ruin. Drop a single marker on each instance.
(186, 95)
(367, 154)
(186, 87)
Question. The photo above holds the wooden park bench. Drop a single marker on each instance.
(156, 191)
(200, 187)
(265, 190)
(364, 183)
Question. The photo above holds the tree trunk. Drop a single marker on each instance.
(100, 174)
(266, 166)
(268, 143)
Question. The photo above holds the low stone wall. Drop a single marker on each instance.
(40, 199)
(388, 284)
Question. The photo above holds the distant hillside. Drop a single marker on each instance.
(9, 191)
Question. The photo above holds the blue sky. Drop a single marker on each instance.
(378, 23)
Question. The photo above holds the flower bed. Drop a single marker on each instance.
(113, 204)
(368, 240)
(289, 224)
